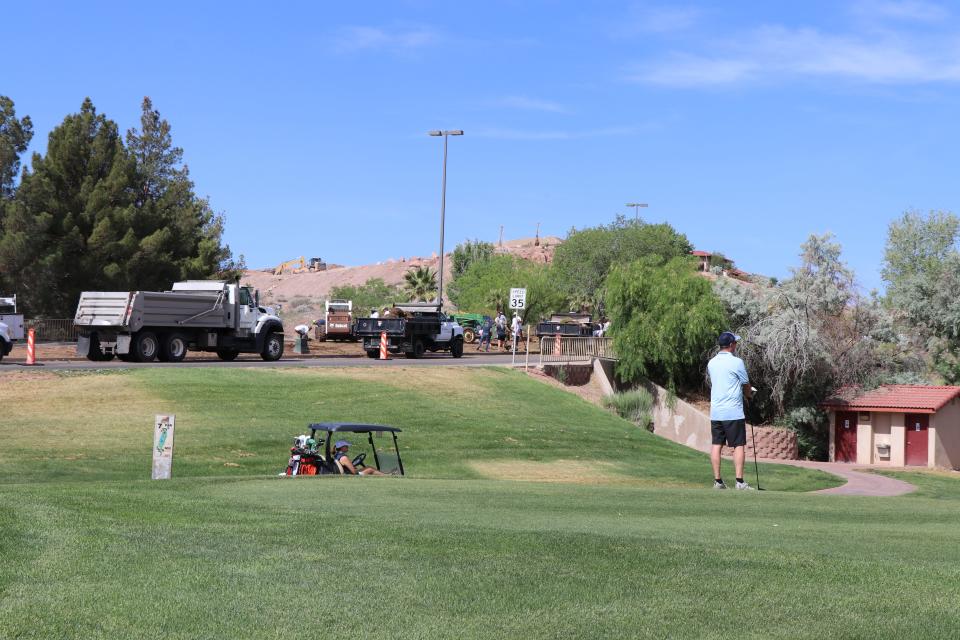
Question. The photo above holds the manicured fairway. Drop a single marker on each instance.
(91, 549)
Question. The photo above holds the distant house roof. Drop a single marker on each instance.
(894, 398)
(701, 254)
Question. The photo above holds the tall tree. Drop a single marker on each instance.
(467, 253)
(485, 287)
(585, 258)
(664, 319)
(15, 136)
(180, 235)
(78, 190)
(420, 283)
(93, 214)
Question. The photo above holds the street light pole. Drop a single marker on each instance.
(443, 199)
(636, 208)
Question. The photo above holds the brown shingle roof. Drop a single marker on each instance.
(895, 398)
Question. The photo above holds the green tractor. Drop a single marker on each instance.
(471, 323)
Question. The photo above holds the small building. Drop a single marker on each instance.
(897, 425)
(703, 260)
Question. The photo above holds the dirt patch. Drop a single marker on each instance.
(566, 471)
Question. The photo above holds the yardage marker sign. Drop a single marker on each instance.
(518, 298)
(163, 447)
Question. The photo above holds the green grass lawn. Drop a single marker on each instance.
(92, 549)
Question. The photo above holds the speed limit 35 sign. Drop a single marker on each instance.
(518, 298)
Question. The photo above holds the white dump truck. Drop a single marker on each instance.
(196, 315)
(11, 324)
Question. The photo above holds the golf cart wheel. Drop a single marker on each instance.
(272, 347)
(469, 335)
(456, 349)
(373, 354)
(173, 347)
(145, 346)
(227, 355)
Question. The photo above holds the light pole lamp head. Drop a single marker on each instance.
(435, 132)
(452, 132)
(637, 204)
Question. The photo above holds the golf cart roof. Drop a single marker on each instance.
(332, 427)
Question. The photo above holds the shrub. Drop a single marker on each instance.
(634, 405)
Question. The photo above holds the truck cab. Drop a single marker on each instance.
(11, 324)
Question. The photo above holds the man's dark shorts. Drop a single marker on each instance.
(732, 433)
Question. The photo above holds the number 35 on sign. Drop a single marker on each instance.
(518, 298)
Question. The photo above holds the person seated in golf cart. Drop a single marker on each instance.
(341, 454)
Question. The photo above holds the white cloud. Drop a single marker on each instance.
(529, 104)
(909, 10)
(351, 39)
(779, 52)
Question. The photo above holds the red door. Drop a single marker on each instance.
(845, 438)
(917, 429)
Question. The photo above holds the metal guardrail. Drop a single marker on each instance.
(575, 349)
(53, 329)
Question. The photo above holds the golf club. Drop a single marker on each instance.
(753, 439)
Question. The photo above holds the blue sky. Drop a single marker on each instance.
(746, 125)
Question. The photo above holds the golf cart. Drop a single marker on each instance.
(306, 458)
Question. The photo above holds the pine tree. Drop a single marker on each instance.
(15, 136)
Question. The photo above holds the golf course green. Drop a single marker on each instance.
(526, 512)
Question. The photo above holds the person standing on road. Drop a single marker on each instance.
(729, 385)
(485, 330)
(501, 330)
(516, 328)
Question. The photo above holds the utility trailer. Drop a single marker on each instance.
(567, 325)
(196, 315)
(411, 329)
(11, 324)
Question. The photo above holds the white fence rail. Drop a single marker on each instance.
(575, 349)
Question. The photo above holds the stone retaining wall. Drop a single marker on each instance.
(779, 444)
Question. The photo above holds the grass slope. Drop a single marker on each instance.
(239, 422)
(96, 551)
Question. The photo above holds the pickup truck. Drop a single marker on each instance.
(411, 330)
(196, 315)
(11, 324)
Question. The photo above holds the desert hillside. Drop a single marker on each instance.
(302, 294)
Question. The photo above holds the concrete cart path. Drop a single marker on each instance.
(858, 482)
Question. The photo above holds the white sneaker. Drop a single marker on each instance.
(719, 485)
(743, 486)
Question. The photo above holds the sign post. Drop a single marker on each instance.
(518, 302)
(163, 447)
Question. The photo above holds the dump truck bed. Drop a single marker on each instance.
(133, 310)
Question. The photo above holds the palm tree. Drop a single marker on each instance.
(420, 283)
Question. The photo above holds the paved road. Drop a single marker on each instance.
(859, 483)
(438, 359)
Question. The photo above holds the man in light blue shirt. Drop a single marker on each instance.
(729, 384)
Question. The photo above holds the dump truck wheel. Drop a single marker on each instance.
(227, 355)
(272, 347)
(174, 348)
(145, 346)
(373, 354)
(417, 350)
(456, 349)
(469, 336)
